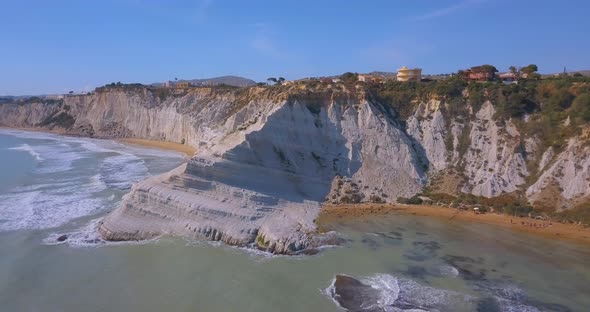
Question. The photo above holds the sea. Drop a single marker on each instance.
(52, 185)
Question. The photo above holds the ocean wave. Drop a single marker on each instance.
(59, 157)
(27, 148)
(123, 170)
(45, 209)
(75, 178)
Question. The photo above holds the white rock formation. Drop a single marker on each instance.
(546, 158)
(568, 176)
(428, 127)
(270, 166)
(268, 157)
(493, 163)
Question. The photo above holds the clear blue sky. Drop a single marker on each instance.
(57, 46)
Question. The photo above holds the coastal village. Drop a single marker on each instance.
(481, 73)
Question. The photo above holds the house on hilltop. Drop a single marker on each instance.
(407, 74)
(480, 73)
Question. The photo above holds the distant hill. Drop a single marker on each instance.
(586, 73)
(385, 75)
(227, 80)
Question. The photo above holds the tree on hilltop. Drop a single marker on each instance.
(532, 68)
(512, 69)
(349, 77)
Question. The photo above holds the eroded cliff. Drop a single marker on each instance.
(269, 156)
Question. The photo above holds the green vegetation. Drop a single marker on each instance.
(578, 214)
(415, 200)
(275, 81)
(61, 119)
(548, 102)
(349, 77)
(120, 85)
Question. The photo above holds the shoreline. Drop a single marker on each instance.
(544, 228)
(187, 150)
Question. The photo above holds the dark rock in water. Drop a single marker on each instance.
(391, 238)
(309, 252)
(393, 294)
(423, 251)
(352, 295)
(467, 267)
(488, 305)
(62, 238)
(421, 233)
(396, 234)
(390, 235)
(370, 242)
(452, 260)
(417, 272)
(328, 239)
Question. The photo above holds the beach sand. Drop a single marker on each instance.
(187, 150)
(549, 229)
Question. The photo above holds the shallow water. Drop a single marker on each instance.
(447, 266)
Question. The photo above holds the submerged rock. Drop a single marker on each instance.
(353, 295)
(384, 292)
(62, 238)
(423, 251)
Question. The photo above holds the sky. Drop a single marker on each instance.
(57, 46)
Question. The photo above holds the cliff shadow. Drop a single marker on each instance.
(294, 157)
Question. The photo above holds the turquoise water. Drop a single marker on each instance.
(429, 263)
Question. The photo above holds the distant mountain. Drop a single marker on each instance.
(227, 80)
(6, 99)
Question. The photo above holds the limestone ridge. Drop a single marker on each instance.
(263, 181)
(268, 157)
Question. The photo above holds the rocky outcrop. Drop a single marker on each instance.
(567, 180)
(268, 157)
(428, 128)
(266, 160)
(494, 163)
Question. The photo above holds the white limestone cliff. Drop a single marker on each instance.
(567, 180)
(269, 157)
(493, 163)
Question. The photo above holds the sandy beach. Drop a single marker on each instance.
(185, 149)
(546, 228)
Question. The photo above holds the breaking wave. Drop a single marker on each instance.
(74, 178)
(27, 148)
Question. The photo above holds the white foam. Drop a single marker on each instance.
(123, 170)
(448, 270)
(387, 285)
(405, 292)
(88, 236)
(62, 189)
(27, 148)
(45, 209)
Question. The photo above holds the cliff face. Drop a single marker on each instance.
(268, 157)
